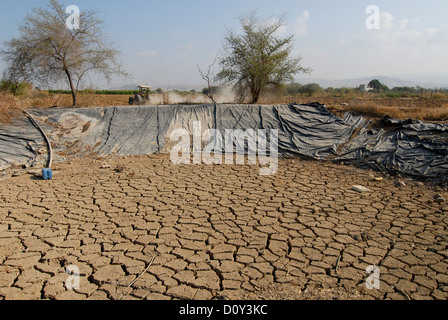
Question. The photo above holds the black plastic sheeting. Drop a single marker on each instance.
(20, 144)
(411, 147)
(407, 147)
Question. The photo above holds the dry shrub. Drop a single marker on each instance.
(439, 95)
(436, 114)
(9, 108)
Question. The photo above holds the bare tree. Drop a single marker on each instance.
(47, 50)
(209, 77)
(258, 57)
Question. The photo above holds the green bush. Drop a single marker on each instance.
(17, 89)
(398, 94)
(310, 89)
(378, 86)
(293, 88)
(105, 92)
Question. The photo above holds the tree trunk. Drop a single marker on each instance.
(72, 87)
(255, 96)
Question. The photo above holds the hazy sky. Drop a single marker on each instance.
(163, 41)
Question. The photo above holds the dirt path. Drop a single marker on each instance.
(205, 232)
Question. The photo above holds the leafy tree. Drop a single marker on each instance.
(258, 57)
(15, 88)
(378, 86)
(293, 88)
(404, 89)
(47, 51)
(311, 89)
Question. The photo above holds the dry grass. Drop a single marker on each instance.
(85, 100)
(436, 113)
(372, 106)
(376, 107)
(9, 108)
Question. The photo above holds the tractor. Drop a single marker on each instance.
(142, 97)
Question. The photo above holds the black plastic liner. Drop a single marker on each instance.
(407, 147)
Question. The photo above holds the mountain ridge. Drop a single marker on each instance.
(428, 81)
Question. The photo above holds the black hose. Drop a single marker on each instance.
(36, 124)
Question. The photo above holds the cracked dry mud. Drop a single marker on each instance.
(155, 230)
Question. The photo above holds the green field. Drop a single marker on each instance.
(108, 92)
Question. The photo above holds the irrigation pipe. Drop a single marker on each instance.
(36, 124)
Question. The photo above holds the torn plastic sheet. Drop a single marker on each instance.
(412, 147)
(409, 147)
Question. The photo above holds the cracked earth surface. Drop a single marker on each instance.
(154, 230)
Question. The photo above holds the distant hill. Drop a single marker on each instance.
(428, 81)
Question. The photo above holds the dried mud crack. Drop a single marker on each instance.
(156, 230)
